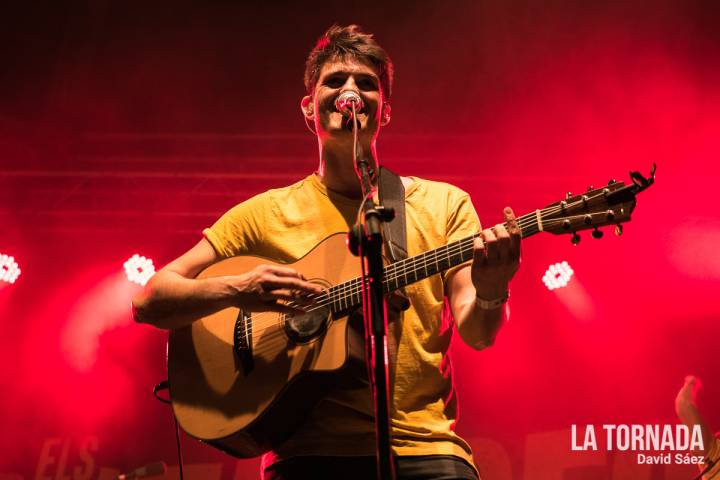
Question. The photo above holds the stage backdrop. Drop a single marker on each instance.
(128, 127)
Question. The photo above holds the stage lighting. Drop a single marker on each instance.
(557, 275)
(9, 269)
(139, 269)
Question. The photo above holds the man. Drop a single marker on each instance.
(337, 440)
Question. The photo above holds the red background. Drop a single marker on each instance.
(129, 126)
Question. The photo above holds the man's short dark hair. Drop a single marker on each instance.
(337, 43)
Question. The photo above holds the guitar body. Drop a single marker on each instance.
(244, 381)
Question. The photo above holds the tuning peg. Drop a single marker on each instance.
(568, 195)
(590, 188)
(575, 238)
(618, 229)
(612, 181)
(597, 234)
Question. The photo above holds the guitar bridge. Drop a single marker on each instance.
(242, 341)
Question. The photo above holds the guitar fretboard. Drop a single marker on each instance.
(348, 295)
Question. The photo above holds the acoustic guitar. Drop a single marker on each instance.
(243, 382)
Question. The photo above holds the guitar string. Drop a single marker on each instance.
(410, 264)
(340, 293)
(350, 288)
(273, 339)
(355, 288)
(524, 222)
(277, 340)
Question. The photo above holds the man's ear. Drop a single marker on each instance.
(307, 108)
(385, 115)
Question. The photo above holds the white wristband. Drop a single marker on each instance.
(492, 304)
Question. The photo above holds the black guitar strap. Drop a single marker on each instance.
(392, 194)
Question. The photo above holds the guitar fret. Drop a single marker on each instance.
(532, 227)
(340, 295)
(337, 299)
(410, 270)
(349, 291)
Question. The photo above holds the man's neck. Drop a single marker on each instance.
(337, 171)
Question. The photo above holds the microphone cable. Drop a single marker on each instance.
(164, 385)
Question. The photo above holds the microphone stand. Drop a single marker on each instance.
(365, 240)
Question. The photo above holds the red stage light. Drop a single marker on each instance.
(139, 269)
(557, 275)
(9, 269)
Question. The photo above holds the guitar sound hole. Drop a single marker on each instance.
(306, 326)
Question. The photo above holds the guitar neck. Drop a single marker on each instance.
(348, 295)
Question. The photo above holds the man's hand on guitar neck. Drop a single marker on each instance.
(476, 292)
(174, 298)
(496, 258)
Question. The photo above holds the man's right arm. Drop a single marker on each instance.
(174, 298)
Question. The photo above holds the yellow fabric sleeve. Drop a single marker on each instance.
(239, 230)
(462, 221)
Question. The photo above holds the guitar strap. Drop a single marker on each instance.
(392, 194)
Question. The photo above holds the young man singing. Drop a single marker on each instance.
(337, 440)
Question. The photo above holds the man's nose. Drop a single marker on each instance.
(350, 84)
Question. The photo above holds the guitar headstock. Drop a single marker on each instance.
(612, 204)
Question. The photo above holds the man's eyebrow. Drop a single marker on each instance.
(348, 72)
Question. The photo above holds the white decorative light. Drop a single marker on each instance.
(557, 275)
(139, 269)
(9, 269)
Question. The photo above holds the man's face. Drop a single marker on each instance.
(337, 76)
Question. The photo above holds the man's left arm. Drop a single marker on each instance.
(474, 292)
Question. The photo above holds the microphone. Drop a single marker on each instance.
(157, 468)
(345, 101)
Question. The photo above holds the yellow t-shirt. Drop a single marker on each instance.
(284, 224)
